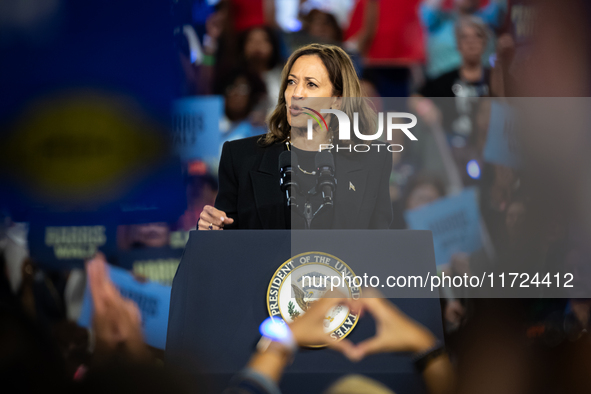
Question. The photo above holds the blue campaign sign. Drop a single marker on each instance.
(454, 222)
(155, 264)
(62, 241)
(81, 131)
(196, 128)
(502, 142)
(152, 299)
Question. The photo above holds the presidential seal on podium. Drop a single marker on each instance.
(302, 280)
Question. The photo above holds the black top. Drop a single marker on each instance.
(459, 114)
(451, 85)
(249, 190)
(307, 182)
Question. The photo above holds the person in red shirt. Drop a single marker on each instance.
(251, 13)
(390, 37)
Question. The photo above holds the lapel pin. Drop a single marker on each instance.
(351, 186)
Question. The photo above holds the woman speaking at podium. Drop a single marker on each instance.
(315, 77)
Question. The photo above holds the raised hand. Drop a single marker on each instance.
(116, 320)
(309, 330)
(395, 332)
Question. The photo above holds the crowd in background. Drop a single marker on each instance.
(447, 59)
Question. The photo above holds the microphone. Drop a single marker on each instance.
(326, 183)
(288, 182)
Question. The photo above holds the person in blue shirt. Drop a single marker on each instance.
(442, 52)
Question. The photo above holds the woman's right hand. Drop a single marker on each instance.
(213, 219)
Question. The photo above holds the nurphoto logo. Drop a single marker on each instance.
(345, 129)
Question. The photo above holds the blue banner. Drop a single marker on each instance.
(118, 160)
(502, 142)
(454, 222)
(153, 300)
(196, 128)
(155, 264)
(62, 241)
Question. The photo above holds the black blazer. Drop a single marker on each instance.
(249, 189)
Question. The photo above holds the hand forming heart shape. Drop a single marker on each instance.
(395, 332)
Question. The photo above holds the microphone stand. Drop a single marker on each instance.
(308, 213)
